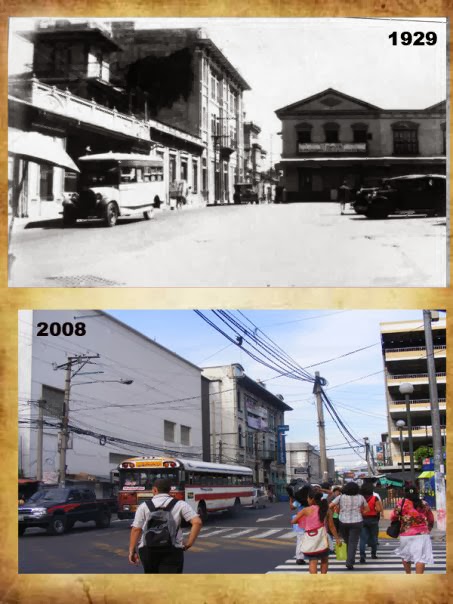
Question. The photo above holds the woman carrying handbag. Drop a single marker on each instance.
(314, 519)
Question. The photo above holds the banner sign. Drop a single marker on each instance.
(281, 447)
(332, 147)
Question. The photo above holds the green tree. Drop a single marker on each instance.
(422, 453)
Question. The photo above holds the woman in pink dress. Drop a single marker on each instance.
(313, 517)
(417, 521)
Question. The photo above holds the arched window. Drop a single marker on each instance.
(359, 132)
(405, 138)
(331, 131)
(304, 132)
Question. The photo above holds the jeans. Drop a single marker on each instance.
(351, 534)
(369, 535)
(169, 561)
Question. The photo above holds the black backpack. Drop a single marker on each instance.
(161, 528)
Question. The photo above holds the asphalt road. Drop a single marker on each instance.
(295, 245)
(251, 541)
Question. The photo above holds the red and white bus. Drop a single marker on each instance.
(206, 487)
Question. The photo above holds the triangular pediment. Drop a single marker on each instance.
(327, 101)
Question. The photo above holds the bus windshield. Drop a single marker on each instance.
(99, 174)
(144, 479)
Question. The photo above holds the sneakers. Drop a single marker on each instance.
(299, 561)
(349, 567)
(362, 560)
(374, 556)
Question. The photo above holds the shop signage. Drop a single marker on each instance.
(332, 147)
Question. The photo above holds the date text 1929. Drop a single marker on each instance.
(65, 329)
(418, 38)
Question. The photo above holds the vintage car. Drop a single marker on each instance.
(244, 193)
(412, 194)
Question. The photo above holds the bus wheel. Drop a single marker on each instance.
(111, 214)
(202, 511)
(148, 215)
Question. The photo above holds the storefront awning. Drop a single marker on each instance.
(427, 474)
(39, 148)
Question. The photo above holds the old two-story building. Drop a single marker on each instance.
(64, 105)
(137, 398)
(188, 83)
(331, 137)
(245, 419)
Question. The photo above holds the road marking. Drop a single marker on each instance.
(234, 535)
(216, 532)
(288, 535)
(269, 518)
(266, 534)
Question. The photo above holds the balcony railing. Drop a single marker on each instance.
(412, 349)
(65, 103)
(414, 376)
(425, 401)
(416, 431)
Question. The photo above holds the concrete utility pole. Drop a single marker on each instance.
(367, 455)
(81, 360)
(439, 476)
(41, 404)
(321, 426)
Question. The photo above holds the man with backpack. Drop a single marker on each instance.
(157, 531)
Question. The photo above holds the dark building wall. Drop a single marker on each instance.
(173, 66)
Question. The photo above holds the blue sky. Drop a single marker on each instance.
(309, 337)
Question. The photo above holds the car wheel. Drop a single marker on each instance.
(103, 520)
(202, 511)
(57, 525)
(22, 530)
(111, 214)
(148, 215)
(376, 214)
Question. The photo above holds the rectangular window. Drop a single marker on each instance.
(360, 136)
(194, 176)
(169, 431)
(239, 401)
(172, 168)
(304, 136)
(405, 142)
(184, 169)
(185, 435)
(213, 87)
(53, 397)
(331, 136)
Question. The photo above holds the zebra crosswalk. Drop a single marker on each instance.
(387, 562)
(245, 532)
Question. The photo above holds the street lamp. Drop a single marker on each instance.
(400, 425)
(407, 389)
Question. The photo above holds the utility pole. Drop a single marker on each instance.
(220, 451)
(41, 404)
(367, 455)
(439, 475)
(81, 360)
(321, 426)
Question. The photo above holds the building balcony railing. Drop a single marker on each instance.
(414, 378)
(332, 148)
(417, 431)
(416, 404)
(414, 353)
(69, 105)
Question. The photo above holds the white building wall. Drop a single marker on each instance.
(134, 413)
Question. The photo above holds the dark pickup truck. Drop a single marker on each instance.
(58, 509)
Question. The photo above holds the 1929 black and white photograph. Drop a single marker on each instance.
(227, 152)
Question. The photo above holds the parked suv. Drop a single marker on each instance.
(412, 194)
(57, 509)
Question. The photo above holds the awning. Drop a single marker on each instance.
(38, 148)
(427, 474)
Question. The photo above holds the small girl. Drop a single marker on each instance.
(314, 516)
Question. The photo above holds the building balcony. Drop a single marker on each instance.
(267, 454)
(418, 432)
(414, 378)
(415, 405)
(332, 149)
(71, 106)
(418, 352)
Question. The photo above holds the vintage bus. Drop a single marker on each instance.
(206, 487)
(116, 184)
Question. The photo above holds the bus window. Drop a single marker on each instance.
(139, 174)
(128, 175)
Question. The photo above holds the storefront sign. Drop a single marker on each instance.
(332, 147)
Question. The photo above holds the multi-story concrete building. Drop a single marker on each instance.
(244, 424)
(331, 137)
(189, 84)
(404, 353)
(303, 461)
(164, 409)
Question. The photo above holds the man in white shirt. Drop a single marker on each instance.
(169, 559)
